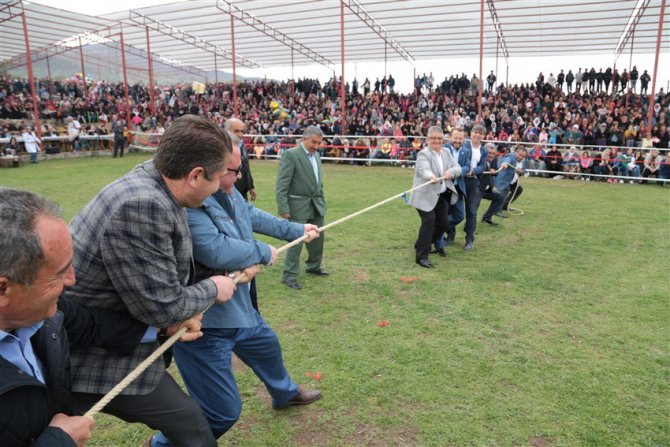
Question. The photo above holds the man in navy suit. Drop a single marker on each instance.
(471, 156)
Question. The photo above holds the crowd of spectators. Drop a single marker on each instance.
(603, 110)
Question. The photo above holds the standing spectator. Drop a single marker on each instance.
(32, 143)
(491, 80)
(634, 74)
(569, 79)
(578, 80)
(119, 130)
(245, 183)
(366, 88)
(600, 76)
(73, 133)
(299, 193)
(607, 78)
(559, 80)
(592, 79)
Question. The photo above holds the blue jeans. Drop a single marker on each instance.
(33, 157)
(207, 370)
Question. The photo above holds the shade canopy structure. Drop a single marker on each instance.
(199, 34)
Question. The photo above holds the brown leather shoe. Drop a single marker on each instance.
(304, 397)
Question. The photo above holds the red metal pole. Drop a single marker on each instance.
(343, 110)
(650, 115)
(83, 72)
(481, 62)
(51, 82)
(125, 81)
(232, 39)
(29, 60)
(151, 73)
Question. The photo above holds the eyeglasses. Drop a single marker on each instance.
(236, 171)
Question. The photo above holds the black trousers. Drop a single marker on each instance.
(167, 408)
(496, 202)
(511, 193)
(433, 224)
(119, 145)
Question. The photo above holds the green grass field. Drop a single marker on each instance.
(554, 331)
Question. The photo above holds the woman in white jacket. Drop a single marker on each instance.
(32, 143)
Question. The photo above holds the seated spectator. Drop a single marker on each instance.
(652, 164)
(384, 151)
(606, 166)
(585, 162)
(571, 162)
(536, 160)
(628, 166)
(361, 150)
(554, 160)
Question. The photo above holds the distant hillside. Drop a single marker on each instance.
(103, 61)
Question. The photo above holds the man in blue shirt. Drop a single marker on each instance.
(223, 241)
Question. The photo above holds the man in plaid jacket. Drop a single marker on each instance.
(132, 251)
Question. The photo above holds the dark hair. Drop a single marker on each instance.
(22, 254)
(192, 141)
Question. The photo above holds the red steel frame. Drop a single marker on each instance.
(343, 107)
(33, 86)
(650, 113)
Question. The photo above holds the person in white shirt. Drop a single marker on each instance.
(32, 143)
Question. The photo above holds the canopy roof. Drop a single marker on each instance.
(270, 33)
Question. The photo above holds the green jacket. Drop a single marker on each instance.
(297, 191)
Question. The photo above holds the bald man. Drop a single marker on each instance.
(245, 183)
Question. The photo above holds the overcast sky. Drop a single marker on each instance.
(521, 70)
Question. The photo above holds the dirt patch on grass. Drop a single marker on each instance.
(238, 365)
(361, 275)
(540, 441)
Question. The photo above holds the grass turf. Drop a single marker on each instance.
(554, 331)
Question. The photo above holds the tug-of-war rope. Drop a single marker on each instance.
(139, 369)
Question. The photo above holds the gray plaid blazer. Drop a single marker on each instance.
(132, 251)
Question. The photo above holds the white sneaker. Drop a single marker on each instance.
(620, 181)
(631, 182)
(588, 179)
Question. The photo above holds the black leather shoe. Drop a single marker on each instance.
(469, 246)
(292, 283)
(441, 252)
(490, 222)
(502, 214)
(319, 272)
(425, 263)
(304, 397)
(449, 240)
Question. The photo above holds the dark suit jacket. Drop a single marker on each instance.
(297, 190)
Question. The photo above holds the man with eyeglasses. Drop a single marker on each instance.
(222, 230)
(299, 192)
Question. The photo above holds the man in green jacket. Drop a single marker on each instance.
(299, 192)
